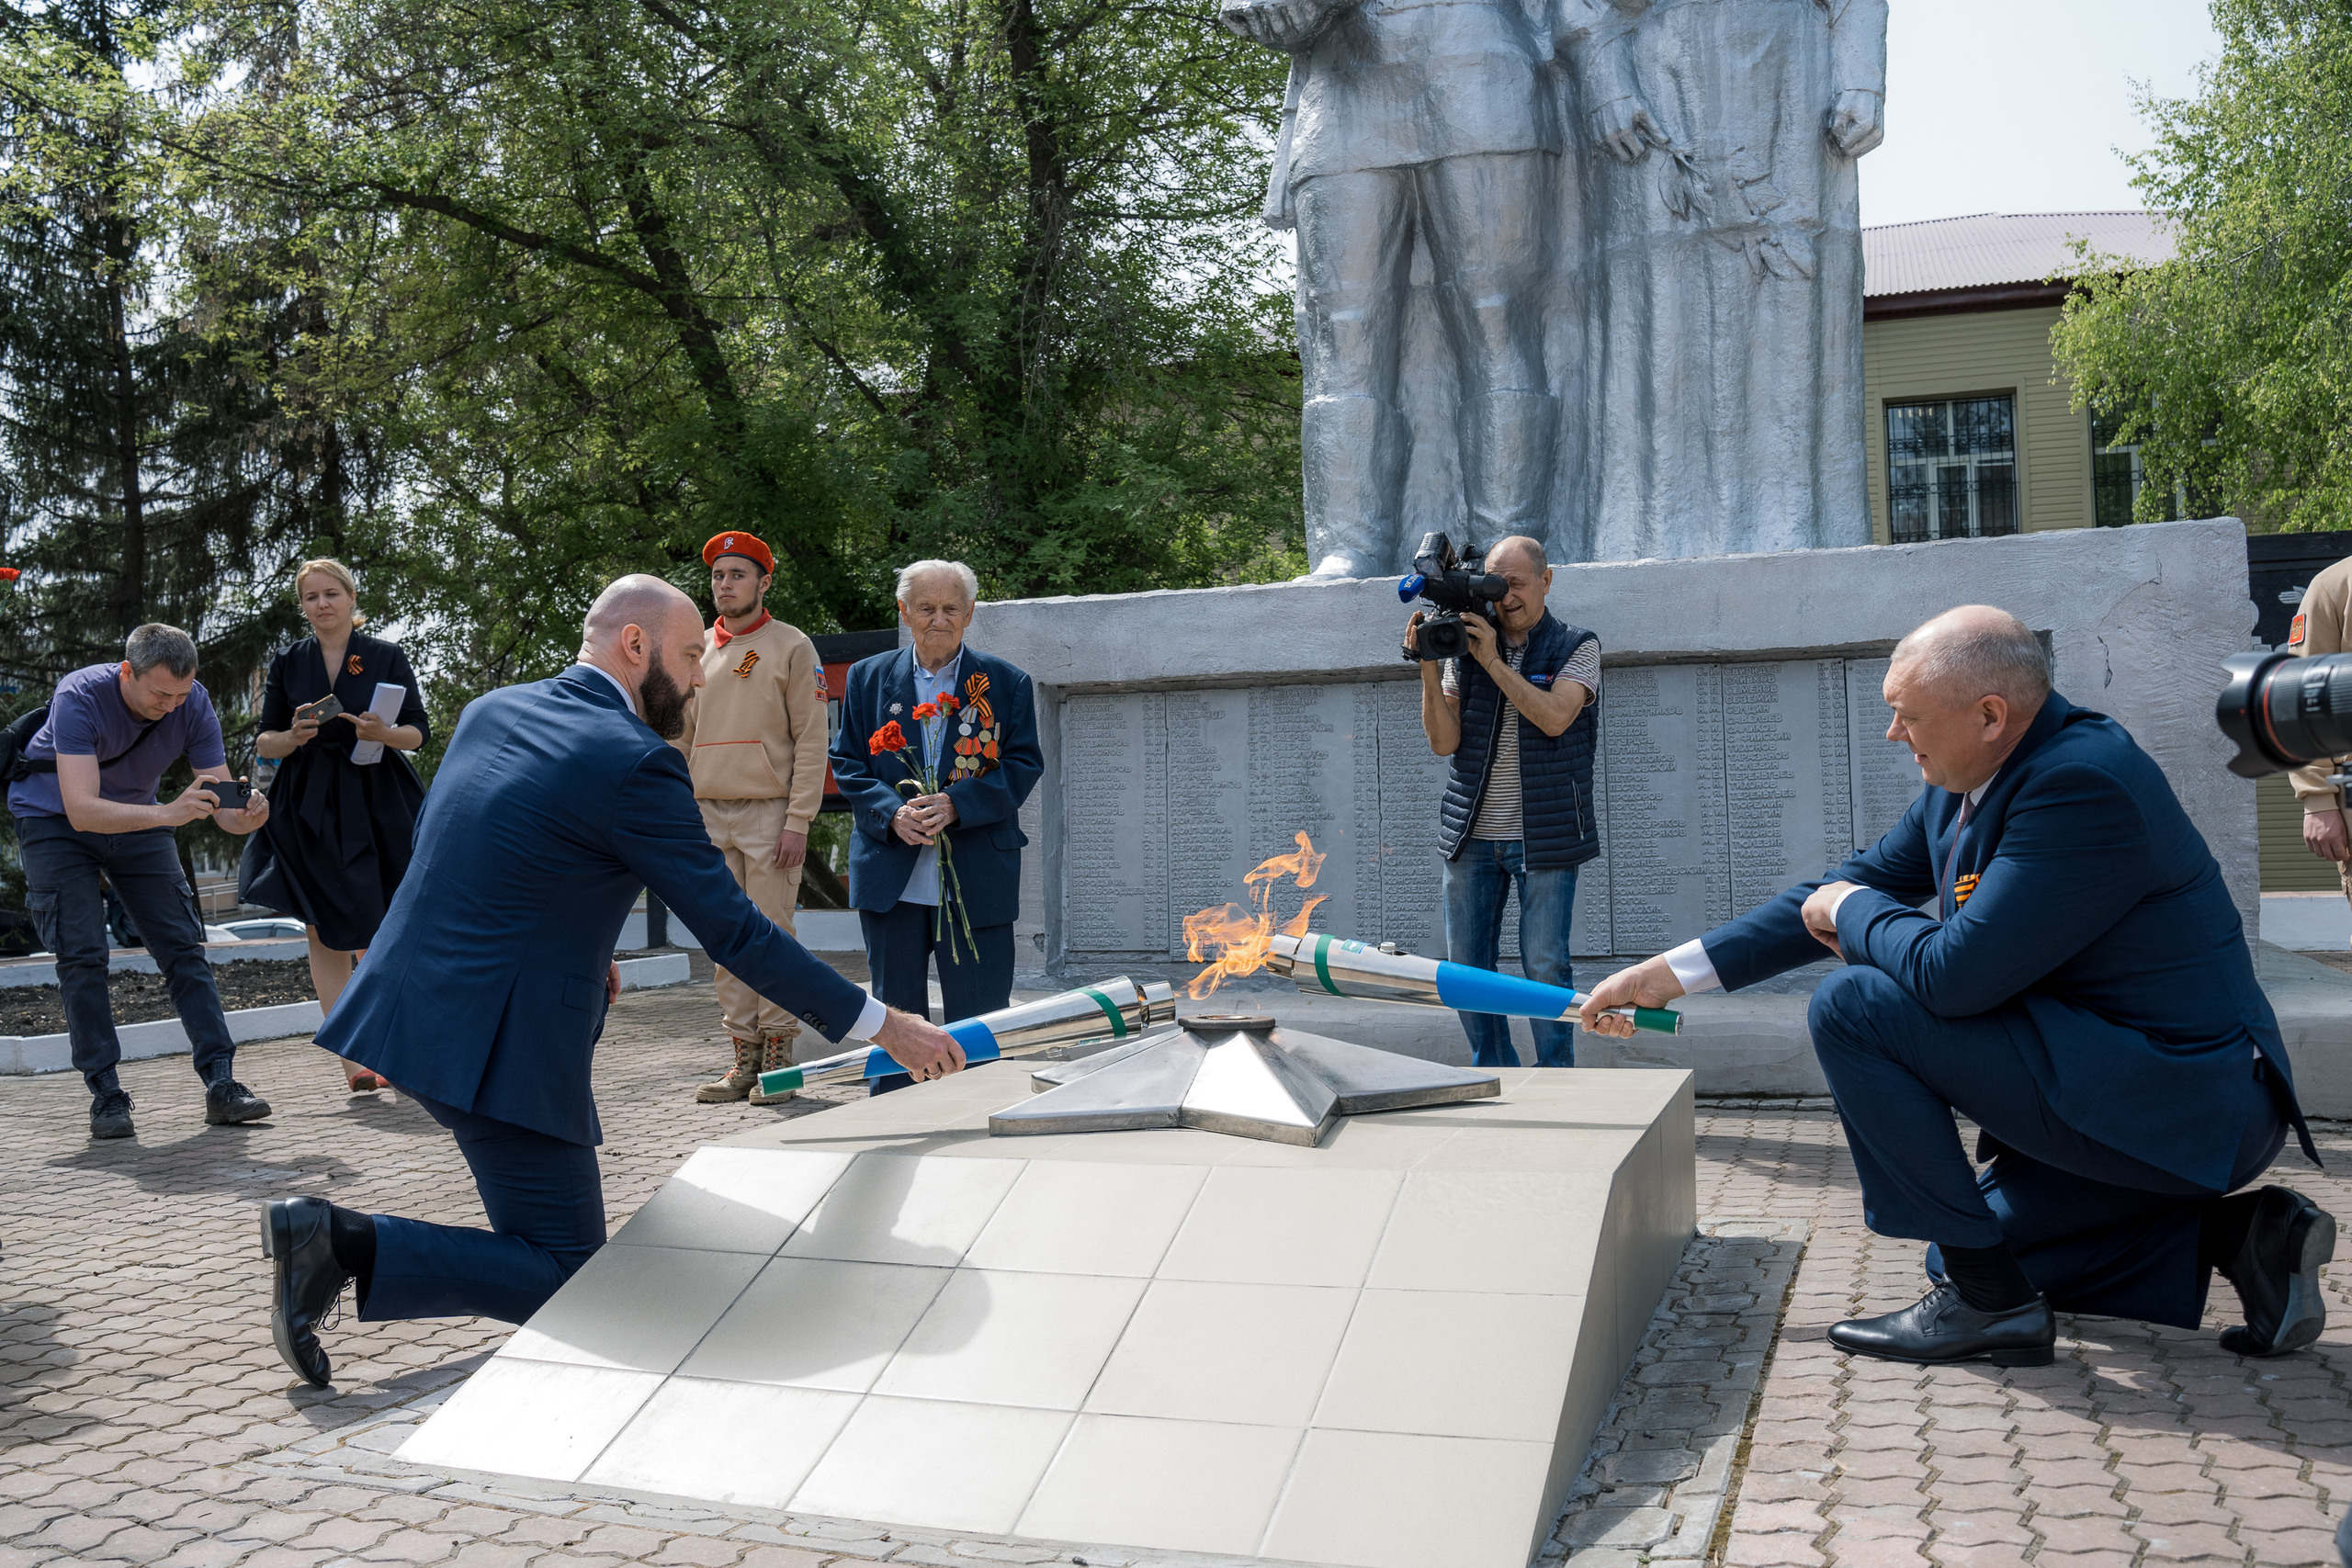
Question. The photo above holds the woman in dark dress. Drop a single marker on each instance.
(339, 833)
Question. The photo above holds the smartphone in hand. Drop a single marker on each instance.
(325, 708)
(234, 794)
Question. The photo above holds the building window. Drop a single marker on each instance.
(2116, 475)
(1951, 468)
(2117, 479)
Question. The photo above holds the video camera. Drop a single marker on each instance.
(2282, 711)
(1458, 586)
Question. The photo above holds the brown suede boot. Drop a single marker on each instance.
(777, 1052)
(739, 1082)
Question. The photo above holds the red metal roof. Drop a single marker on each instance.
(1994, 249)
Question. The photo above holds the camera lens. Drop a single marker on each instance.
(2282, 711)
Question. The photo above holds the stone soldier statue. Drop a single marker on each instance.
(1413, 124)
(1730, 305)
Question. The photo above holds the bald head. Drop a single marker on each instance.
(648, 636)
(1977, 650)
(636, 599)
(1519, 561)
(1964, 688)
(1518, 545)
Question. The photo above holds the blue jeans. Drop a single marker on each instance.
(1477, 882)
(63, 866)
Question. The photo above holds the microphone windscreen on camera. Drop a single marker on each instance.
(1409, 587)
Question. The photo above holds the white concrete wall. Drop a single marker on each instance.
(2138, 620)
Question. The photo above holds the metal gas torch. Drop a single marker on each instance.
(1357, 969)
(1109, 1009)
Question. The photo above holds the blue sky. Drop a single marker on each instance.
(2023, 106)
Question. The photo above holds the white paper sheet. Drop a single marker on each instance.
(385, 705)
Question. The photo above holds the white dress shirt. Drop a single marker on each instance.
(616, 686)
(1696, 971)
(923, 883)
(873, 1015)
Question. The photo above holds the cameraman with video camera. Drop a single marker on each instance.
(1508, 692)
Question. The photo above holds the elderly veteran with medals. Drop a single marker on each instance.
(754, 742)
(2078, 986)
(937, 871)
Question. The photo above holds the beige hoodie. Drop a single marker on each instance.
(756, 730)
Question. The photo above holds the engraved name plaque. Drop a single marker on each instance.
(1718, 785)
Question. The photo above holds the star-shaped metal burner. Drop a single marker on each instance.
(1239, 1074)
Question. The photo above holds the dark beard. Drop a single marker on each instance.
(663, 702)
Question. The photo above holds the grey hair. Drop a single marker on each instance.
(915, 571)
(156, 643)
(1977, 650)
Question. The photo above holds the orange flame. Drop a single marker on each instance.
(1233, 942)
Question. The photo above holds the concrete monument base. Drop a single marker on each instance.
(1388, 1351)
(1189, 735)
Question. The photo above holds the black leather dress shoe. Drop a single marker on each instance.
(110, 1117)
(305, 1279)
(2277, 1274)
(227, 1104)
(1941, 1326)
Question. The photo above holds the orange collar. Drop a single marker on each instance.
(721, 636)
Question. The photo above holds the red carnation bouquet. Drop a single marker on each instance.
(923, 779)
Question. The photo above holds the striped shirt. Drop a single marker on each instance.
(1499, 815)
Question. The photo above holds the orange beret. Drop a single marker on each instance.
(739, 544)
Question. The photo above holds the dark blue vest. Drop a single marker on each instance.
(1558, 825)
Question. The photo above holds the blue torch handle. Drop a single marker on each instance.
(1465, 989)
(980, 1045)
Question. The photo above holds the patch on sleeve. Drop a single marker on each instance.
(2295, 632)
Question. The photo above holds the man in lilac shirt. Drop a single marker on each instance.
(83, 798)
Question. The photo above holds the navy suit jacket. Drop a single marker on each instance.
(485, 987)
(986, 841)
(2096, 914)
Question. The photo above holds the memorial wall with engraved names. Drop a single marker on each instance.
(1717, 785)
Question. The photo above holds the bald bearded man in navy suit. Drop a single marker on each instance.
(2081, 991)
(484, 993)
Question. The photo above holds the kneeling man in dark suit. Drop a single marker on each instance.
(2082, 992)
(485, 992)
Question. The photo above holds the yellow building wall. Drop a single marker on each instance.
(1970, 353)
(2287, 866)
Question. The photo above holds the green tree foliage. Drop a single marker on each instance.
(2231, 365)
(152, 467)
(149, 469)
(901, 278)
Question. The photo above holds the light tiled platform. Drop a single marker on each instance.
(1390, 1350)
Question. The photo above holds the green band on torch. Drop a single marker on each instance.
(783, 1080)
(1658, 1021)
(1322, 968)
(1118, 1024)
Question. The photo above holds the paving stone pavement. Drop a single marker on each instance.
(146, 1420)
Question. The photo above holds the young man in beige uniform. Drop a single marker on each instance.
(755, 746)
(2319, 626)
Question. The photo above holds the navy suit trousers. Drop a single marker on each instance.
(898, 949)
(546, 1204)
(2096, 1230)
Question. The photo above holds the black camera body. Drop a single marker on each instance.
(1458, 585)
